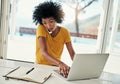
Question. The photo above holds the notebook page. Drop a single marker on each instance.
(38, 75)
(19, 73)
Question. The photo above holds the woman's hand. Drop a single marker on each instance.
(64, 69)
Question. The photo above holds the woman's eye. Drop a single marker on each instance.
(51, 21)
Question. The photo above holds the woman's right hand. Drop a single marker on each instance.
(64, 69)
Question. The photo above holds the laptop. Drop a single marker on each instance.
(86, 66)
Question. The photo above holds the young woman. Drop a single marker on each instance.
(50, 38)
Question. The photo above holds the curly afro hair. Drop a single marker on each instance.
(46, 10)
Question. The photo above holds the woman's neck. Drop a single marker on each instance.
(55, 32)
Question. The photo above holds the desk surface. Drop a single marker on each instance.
(7, 65)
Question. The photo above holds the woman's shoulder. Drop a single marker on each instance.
(64, 29)
(40, 26)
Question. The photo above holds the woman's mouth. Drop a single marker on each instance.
(51, 29)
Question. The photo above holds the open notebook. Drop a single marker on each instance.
(36, 75)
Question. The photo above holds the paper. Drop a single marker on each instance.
(37, 75)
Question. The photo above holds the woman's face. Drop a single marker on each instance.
(49, 23)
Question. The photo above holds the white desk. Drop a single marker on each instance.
(7, 65)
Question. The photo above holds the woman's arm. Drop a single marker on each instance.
(47, 56)
(64, 69)
(70, 49)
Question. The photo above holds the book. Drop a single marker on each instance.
(34, 74)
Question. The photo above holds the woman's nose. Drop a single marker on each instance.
(48, 25)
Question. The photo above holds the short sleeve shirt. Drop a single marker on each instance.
(55, 44)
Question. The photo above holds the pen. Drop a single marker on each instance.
(29, 71)
(11, 71)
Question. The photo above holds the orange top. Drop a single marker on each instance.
(55, 44)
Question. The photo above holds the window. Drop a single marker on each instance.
(83, 26)
(4, 14)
